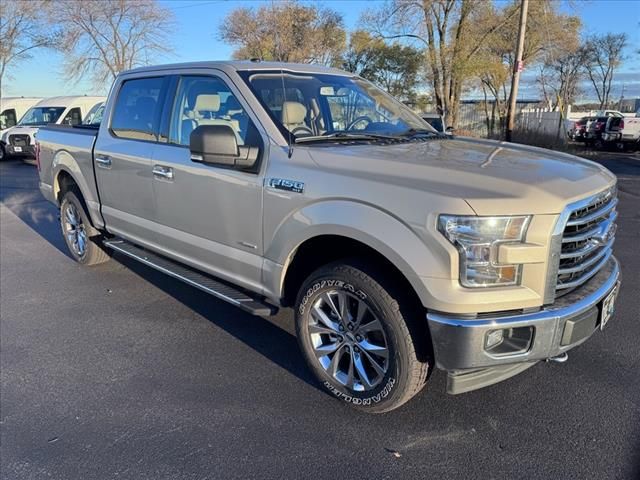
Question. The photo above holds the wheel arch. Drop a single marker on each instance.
(333, 230)
(65, 173)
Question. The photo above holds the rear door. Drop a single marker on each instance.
(209, 216)
(123, 154)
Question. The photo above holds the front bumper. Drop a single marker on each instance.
(22, 151)
(459, 342)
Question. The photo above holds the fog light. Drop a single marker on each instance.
(494, 337)
(508, 341)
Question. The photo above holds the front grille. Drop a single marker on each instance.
(19, 140)
(587, 241)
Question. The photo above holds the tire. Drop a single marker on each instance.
(3, 153)
(389, 320)
(77, 231)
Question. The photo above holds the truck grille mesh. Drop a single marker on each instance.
(20, 140)
(587, 241)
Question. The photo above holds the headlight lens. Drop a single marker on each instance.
(477, 239)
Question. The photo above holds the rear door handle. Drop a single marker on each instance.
(103, 161)
(160, 171)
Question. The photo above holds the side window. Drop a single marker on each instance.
(73, 117)
(207, 101)
(8, 119)
(136, 110)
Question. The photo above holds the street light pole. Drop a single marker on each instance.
(517, 68)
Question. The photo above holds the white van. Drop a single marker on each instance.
(20, 139)
(13, 108)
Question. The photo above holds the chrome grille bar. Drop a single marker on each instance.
(587, 240)
(602, 212)
(586, 276)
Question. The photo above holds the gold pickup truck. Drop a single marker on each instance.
(273, 185)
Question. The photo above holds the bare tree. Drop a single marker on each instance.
(451, 33)
(103, 38)
(285, 31)
(20, 32)
(550, 34)
(560, 77)
(393, 67)
(604, 56)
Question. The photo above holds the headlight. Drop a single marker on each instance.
(477, 239)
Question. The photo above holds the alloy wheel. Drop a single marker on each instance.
(74, 230)
(348, 340)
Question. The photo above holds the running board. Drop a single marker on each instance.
(204, 282)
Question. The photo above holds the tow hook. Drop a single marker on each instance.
(563, 357)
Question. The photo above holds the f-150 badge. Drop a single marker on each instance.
(287, 185)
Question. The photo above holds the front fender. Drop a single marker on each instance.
(377, 229)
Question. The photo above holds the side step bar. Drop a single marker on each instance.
(204, 282)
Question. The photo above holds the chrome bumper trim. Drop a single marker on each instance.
(458, 342)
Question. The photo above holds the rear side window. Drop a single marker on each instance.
(136, 112)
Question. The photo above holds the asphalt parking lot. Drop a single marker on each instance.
(120, 372)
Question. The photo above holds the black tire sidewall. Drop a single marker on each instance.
(395, 380)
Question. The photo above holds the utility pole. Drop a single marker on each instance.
(517, 68)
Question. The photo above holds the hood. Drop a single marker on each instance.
(494, 178)
(19, 129)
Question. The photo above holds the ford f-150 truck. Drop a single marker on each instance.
(400, 249)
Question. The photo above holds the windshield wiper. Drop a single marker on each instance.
(345, 136)
(414, 132)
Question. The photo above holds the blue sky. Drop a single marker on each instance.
(195, 38)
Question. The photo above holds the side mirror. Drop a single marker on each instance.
(217, 145)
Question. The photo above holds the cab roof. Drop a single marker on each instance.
(244, 65)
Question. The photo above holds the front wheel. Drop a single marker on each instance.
(78, 232)
(360, 338)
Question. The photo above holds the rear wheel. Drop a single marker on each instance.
(355, 333)
(3, 154)
(78, 232)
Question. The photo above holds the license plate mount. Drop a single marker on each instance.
(608, 306)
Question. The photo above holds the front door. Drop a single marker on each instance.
(123, 158)
(209, 216)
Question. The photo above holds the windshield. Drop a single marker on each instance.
(309, 105)
(38, 116)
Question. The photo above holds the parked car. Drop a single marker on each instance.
(11, 111)
(94, 117)
(579, 132)
(435, 120)
(594, 133)
(622, 132)
(400, 250)
(609, 113)
(19, 140)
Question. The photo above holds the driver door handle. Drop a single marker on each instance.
(103, 161)
(162, 172)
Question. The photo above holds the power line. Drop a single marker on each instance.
(197, 4)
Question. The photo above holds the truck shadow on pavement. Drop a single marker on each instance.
(261, 334)
(19, 193)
